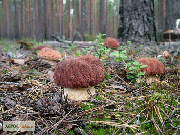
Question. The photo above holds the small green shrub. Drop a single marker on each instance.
(100, 48)
(78, 53)
(128, 42)
(89, 37)
(132, 67)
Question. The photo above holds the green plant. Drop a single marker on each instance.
(89, 37)
(119, 55)
(78, 53)
(99, 97)
(100, 48)
(35, 71)
(7, 45)
(87, 50)
(71, 47)
(87, 106)
(132, 67)
(59, 49)
(160, 59)
(128, 42)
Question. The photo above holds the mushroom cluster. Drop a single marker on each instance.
(154, 67)
(78, 75)
(49, 53)
(111, 42)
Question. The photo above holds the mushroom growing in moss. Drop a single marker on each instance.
(111, 42)
(154, 67)
(78, 76)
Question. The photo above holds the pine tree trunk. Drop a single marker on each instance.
(47, 29)
(137, 22)
(17, 34)
(83, 17)
(102, 13)
(171, 13)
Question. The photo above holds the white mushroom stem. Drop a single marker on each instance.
(79, 94)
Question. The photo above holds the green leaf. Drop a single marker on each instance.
(141, 73)
(129, 64)
(131, 72)
(123, 56)
(133, 68)
(143, 66)
(117, 59)
(78, 53)
(124, 51)
(107, 76)
(115, 53)
(130, 76)
(136, 63)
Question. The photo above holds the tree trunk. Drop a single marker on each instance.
(40, 35)
(67, 19)
(137, 22)
(1, 14)
(70, 21)
(160, 20)
(6, 30)
(60, 16)
(76, 14)
(171, 13)
(102, 15)
(83, 17)
(53, 29)
(17, 34)
(35, 18)
(47, 14)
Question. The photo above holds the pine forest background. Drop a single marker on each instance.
(39, 19)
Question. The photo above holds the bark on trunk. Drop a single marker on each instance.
(17, 34)
(137, 22)
(102, 22)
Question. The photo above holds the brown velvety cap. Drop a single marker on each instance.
(50, 54)
(79, 72)
(154, 66)
(111, 42)
(39, 47)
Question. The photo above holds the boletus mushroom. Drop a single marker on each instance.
(49, 54)
(111, 42)
(152, 70)
(78, 76)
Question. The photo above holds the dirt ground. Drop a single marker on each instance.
(28, 93)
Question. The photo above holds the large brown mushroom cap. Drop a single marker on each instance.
(80, 72)
(50, 54)
(111, 42)
(154, 66)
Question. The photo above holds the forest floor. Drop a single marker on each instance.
(28, 93)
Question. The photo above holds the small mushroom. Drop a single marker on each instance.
(111, 42)
(154, 67)
(78, 76)
(165, 55)
(49, 54)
